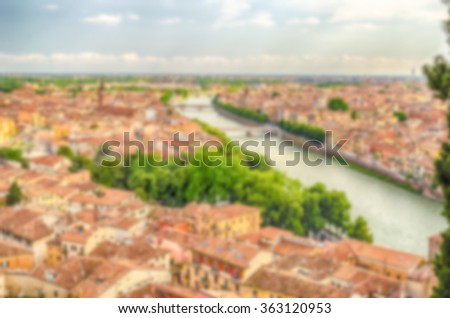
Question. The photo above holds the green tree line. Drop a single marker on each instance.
(284, 202)
(303, 129)
(241, 111)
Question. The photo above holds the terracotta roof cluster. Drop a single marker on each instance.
(348, 249)
(293, 286)
(237, 254)
(139, 251)
(23, 223)
(101, 279)
(367, 283)
(69, 273)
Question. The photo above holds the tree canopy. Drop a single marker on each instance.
(401, 116)
(284, 202)
(14, 195)
(438, 76)
(337, 104)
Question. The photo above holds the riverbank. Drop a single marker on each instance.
(382, 177)
(353, 162)
(399, 219)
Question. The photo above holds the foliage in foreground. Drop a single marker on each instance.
(438, 75)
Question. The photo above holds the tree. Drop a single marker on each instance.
(65, 151)
(337, 104)
(438, 75)
(360, 230)
(9, 84)
(401, 116)
(312, 218)
(13, 154)
(166, 97)
(354, 115)
(14, 195)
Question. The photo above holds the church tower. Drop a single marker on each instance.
(101, 89)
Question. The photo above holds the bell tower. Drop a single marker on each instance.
(100, 91)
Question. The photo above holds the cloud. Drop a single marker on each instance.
(360, 27)
(351, 11)
(237, 13)
(111, 19)
(51, 7)
(383, 10)
(230, 11)
(132, 17)
(170, 21)
(257, 64)
(304, 21)
(104, 19)
(263, 19)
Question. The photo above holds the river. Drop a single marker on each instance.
(398, 218)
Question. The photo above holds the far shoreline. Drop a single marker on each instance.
(353, 163)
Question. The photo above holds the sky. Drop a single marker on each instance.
(358, 37)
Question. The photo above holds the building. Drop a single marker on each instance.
(15, 258)
(269, 283)
(7, 129)
(222, 221)
(392, 263)
(27, 229)
(225, 265)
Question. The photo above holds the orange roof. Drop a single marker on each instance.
(77, 235)
(266, 236)
(108, 197)
(381, 255)
(368, 283)
(88, 216)
(23, 223)
(136, 250)
(291, 285)
(233, 253)
(101, 278)
(69, 273)
(48, 160)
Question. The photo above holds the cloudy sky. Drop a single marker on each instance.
(220, 36)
